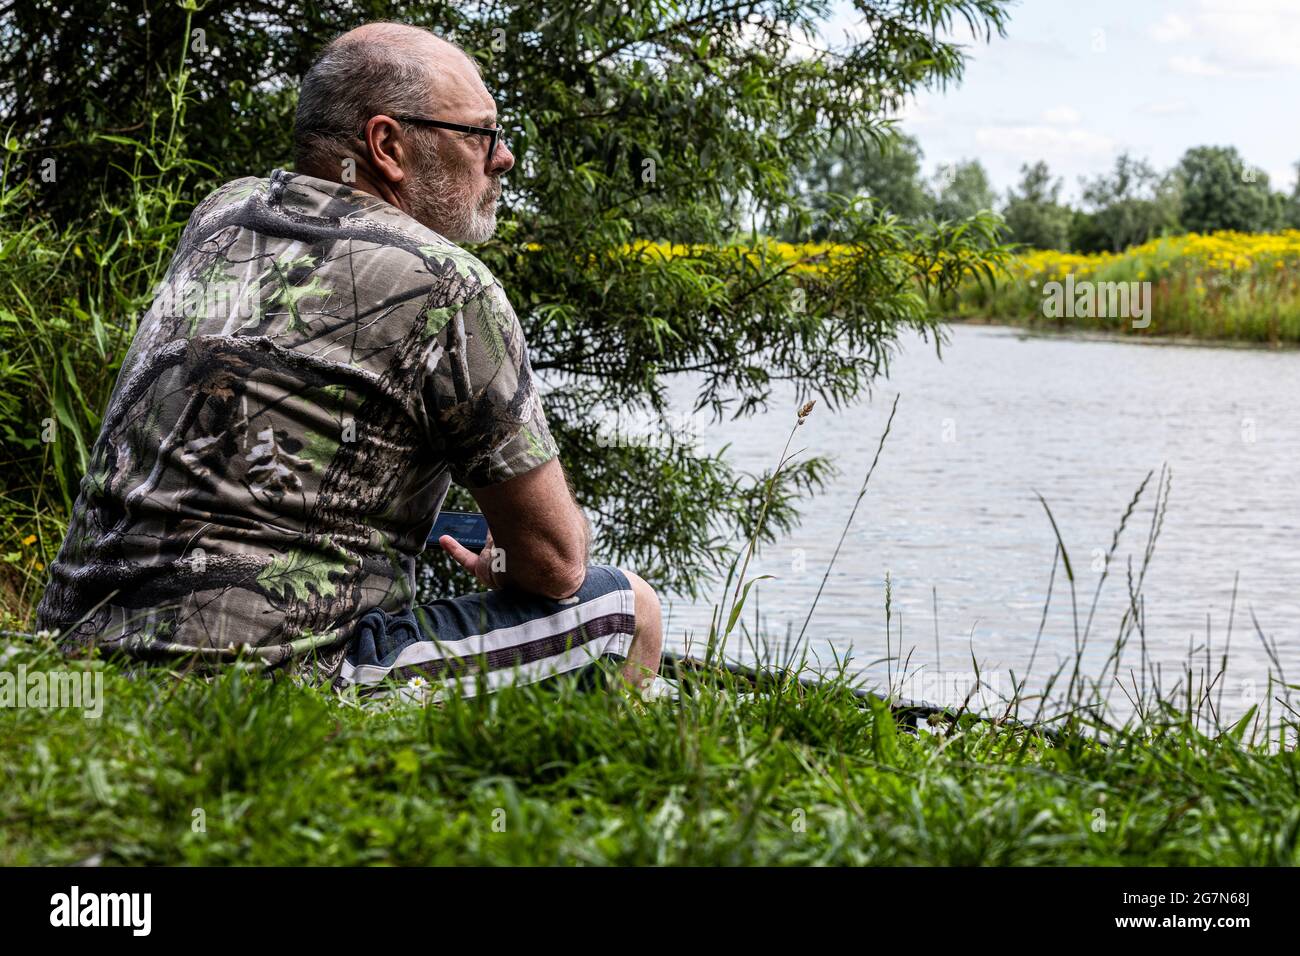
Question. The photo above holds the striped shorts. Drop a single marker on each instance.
(484, 641)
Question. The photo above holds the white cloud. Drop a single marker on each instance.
(1281, 177)
(917, 111)
(1043, 142)
(1234, 37)
(1062, 116)
(1253, 34)
(1194, 66)
(1171, 29)
(1166, 108)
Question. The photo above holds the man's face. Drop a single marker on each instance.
(454, 186)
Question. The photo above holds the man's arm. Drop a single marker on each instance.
(539, 533)
(488, 422)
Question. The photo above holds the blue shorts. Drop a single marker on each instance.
(482, 642)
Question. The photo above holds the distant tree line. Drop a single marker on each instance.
(1210, 188)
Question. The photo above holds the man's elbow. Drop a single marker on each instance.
(550, 575)
(562, 579)
(561, 563)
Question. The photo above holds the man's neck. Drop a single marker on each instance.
(381, 188)
(366, 182)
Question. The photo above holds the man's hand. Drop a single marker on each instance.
(479, 565)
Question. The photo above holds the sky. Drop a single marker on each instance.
(1077, 82)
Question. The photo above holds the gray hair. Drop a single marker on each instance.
(355, 79)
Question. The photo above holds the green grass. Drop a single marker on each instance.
(239, 768)
(288, 775)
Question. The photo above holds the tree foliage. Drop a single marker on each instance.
(1291, 206)
(1220, 191)
(1127, 207)
(1034, 213)
(962, 190)
(888, 172)
(671, 122)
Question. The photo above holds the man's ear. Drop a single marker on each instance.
(383, 136)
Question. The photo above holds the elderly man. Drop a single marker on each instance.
(320, 362)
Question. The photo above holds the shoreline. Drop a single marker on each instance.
(1083, 334)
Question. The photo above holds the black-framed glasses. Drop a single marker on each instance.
(495, 135)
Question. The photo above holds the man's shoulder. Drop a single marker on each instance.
(316, 211)
(231, 193)
(393, 232)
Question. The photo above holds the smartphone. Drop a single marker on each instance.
(468, 528)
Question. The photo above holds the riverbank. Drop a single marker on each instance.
(1222, 287)
(1031, 326)
(245, 771)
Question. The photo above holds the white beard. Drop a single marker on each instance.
(481, 225)
(438, 204)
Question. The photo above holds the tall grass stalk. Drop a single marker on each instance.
(70, 297)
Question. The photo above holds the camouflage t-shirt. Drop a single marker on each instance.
(314, 370)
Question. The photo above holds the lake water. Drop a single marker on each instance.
(951, 514)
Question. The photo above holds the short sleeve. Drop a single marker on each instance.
(485, 416)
